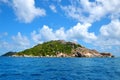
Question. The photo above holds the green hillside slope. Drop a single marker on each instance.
(50, 48)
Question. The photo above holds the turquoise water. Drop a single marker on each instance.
(59, 68)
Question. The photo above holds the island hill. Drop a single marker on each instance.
(58, 48)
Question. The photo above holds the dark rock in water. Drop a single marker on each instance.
(107, 54)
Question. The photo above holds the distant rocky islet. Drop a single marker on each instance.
(59, 48)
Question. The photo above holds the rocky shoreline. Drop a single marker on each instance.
(86, 54)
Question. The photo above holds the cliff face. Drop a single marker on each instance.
(84, 52)
(59, 48)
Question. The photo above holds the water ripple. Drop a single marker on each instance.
(59, 68)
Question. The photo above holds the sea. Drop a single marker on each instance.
(13, 68)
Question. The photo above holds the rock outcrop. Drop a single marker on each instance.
(61, 55)
(107, 55)
(84, 52)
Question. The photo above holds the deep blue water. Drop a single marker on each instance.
(59, 68)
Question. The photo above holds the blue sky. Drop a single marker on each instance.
(94, 24)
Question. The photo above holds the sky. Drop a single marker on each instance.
(94, 24)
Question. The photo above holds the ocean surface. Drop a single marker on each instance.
(59, 68)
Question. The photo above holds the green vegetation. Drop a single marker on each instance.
(50, 48)
(9, 54)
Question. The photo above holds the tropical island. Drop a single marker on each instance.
(58, 48)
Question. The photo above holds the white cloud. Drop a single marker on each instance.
(109, 34)
(5, 45)
(3, 34)
(18, 42)
(44, 34)
(108, 39)
(21, 41)
(86, 11)
(61, 34)
(26, 11)
(36, 37)
(79, 31)
(47, 33)
(111, 30)
(53, 8)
